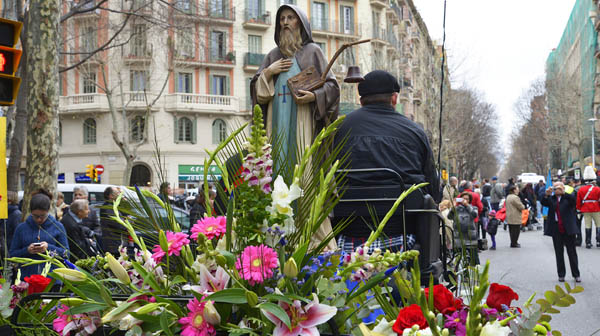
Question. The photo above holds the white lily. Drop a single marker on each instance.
(494, 329)
(284, 196)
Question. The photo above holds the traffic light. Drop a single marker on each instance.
(9, 60)
(89, 171)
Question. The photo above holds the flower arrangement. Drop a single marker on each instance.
(256, 270)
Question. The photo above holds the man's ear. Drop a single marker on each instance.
(394, 98)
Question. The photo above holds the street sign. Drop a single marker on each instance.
(99, 169)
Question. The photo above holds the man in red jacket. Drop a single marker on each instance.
(476, 200)
(588, 203)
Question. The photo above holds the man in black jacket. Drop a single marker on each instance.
(113, 233)
(377, 136)
(562, 226)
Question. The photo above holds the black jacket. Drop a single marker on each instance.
(112, 232)
(380, 137)
(77, 235)
(567, 214)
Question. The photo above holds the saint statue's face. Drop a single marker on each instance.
(289, 19)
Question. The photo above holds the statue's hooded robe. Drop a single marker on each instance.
(310, 118)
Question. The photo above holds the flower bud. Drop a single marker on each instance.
(221, 260)
(162, 240)
(70, 274)
(148, 308)
(117, 269)
(290, 269)
(210, 314)
(445, 332)
(431, 315)
(252, 298)
(71, 302)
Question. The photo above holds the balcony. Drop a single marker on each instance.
(378, 3)
(135, 100)
(140, 55)
(258, 21)
(82, 103)
(217, 15)
(334, 28)
(415, 37)
(394, 14)
(201, 103)
(407, 18)
(379, 36)
(220, 59)
(252, 61)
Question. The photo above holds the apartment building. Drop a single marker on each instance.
(186, 68)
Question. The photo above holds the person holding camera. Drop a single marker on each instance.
(465, 228)
(41, 232)
(562, 227)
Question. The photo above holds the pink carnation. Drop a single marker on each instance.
(175, 241)
(257, 263)
(194, 324)
(211, 227)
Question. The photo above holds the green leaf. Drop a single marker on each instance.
(543, 303)
(230, 257)
(551, 310)
(556, 333)
(275, 310)
(562, 303)
(569, 299)
(277, 297)
(545, 318)
(577, 289)
(299, 255)
(86, 308)
(148, 277)
(177, 280)
(143, 317)
(164, 323)
(560, 291)
(231, 295)
(374, 281)
(568, 287)
(551, 297)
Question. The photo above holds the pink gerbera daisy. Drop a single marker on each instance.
(175, 241)
(194, 324)
(62, 320)
(257, 263)
(211, 227)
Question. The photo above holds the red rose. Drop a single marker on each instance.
(500, 295)
(408, 317)
(37, 283)
(443, 300)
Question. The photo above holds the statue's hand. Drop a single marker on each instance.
(279, 66)
(306, 97)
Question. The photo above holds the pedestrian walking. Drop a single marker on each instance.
(497, 194)
(514, 208)
(562, 228)
(588, 203)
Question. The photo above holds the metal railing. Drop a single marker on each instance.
(221, 56)
(253, 59)
(334, 26)
(379, 34)
(263, 17)
(223, 13)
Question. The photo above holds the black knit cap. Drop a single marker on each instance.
(378, 82)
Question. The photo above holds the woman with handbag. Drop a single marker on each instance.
(514, 209)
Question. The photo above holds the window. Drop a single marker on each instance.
(219, 131)
(217, 8)
(184, 130)
(138, 80)
(184, 82)
(217, 45)
(89, 131)
(186, 43)
(138, 40)
(184, 6)
(319, 16)
(376, 19)
(255, 9)
(88, 39)
(347, 20)
(255, 44)
(220, 85)
(136, 127)
(89, 83)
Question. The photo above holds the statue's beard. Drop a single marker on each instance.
(290, 41)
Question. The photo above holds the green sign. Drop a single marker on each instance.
(196, 173)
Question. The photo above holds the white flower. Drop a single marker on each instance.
(385, 328)
(128, 322)
(413, 332)
(284, 196)
(495, 329)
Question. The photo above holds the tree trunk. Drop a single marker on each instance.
(17, 142)
(42, 100)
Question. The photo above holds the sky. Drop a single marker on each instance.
(497, 47)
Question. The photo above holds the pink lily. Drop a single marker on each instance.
(210, 283)
(304, 320)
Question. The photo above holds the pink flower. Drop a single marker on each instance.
(194, 324)
(175, 241)
(257, 263)
(304, 320)
(82, 324)
(211, 227)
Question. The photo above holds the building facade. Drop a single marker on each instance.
(178, 76)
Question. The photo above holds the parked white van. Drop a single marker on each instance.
(532, 178)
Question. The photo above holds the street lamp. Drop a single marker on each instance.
(593, 120)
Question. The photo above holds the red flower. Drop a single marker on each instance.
(37, 283)
(408, 317)
(500, 295)
(443, 300)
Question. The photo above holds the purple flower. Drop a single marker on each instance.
(489, 312)
(458, 321)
